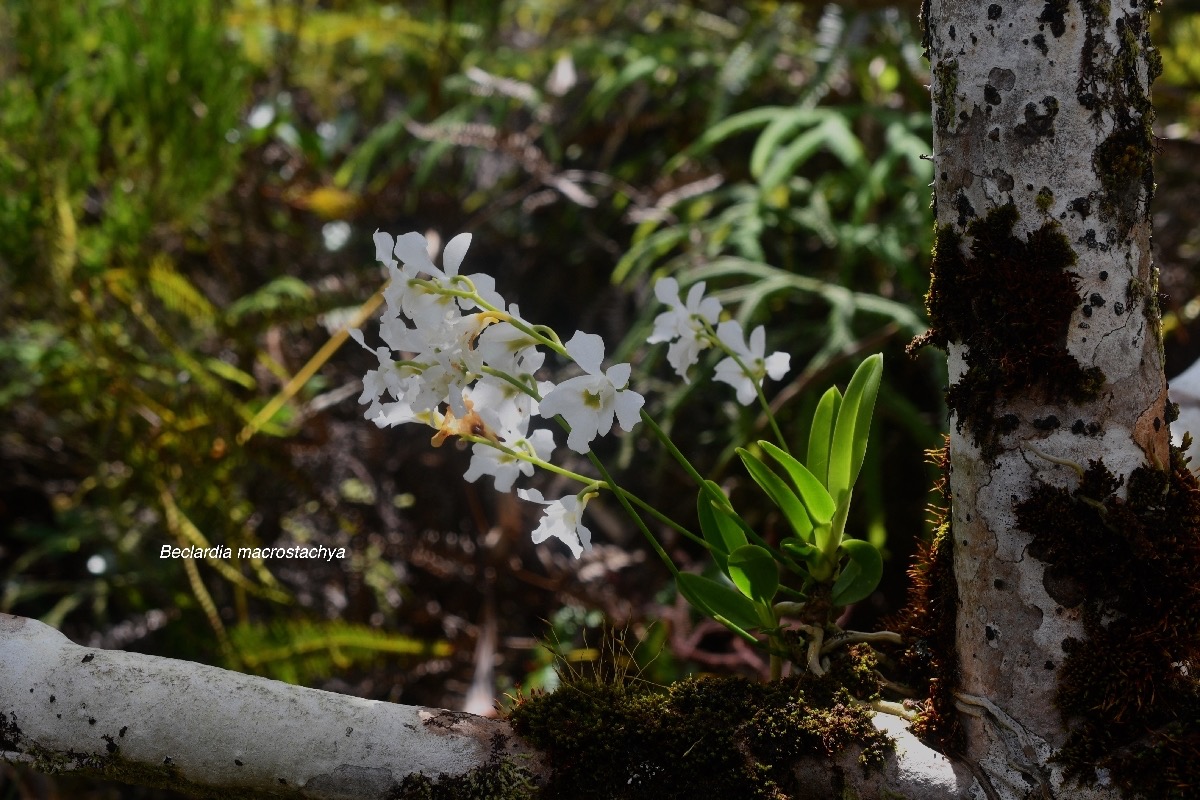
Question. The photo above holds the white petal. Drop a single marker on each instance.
(682, 354)
(695, 294)
(710, 309)
(455, 250)
(413, 250)
(758, 342)
(542, 442)
(585, 537)
(478, 466)
(629, 403)
(587, 349)
(730, 334)
(665, 328)
(618, 374)
(563, 399)
(729, 372)
(581, 435)
(667, 291)
(384, 243)
(778, 364)
(485, 287)
(532, 495)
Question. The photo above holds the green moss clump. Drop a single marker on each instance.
(1131, 690)
(500, 779)
(1116, 84)
(1010, 302)
(1124, 164)
(1044, 199)
(946, 102)
(704, 737)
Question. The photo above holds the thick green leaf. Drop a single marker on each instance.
(720, 602)
(754, 571)
(778, 491)
(801, 549)
(718, 523)
(812, 493)
(861, 574)
(853, 427)
(820, 436)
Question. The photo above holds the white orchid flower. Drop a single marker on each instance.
(753, 356)
(683, 324)
(590, 402)
(562, 520)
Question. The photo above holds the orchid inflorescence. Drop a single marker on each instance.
(461, 360)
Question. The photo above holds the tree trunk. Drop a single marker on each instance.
(1046, 298)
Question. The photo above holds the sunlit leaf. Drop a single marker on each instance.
(717, 523)
(861, 574)
(783, 497)
(754, 571)
(853, 427)
(816, 499)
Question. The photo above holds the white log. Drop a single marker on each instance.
(192, 727)
(147, 719)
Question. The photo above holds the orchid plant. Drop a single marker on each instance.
(459, 359)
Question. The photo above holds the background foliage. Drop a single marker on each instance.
(188, 194)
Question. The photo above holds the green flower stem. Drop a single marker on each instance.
(540, 333)
(513, 381)
(695, 476)
(612, 484)
(672, 449)
(575, 476)
(524, 456)
(664, 519)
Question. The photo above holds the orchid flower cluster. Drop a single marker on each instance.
(463, 361)
(460, 359)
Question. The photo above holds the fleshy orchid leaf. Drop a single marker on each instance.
(720, 602)
(778, 491)
(753, 571)
(816, 499)
(853, 428)
(860, 575)
(718, 523)
(820, 435)
(800, 549)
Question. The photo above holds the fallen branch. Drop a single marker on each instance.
(191, 727)
(203, 730)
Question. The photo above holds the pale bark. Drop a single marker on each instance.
(144, 719)
(1024, 97)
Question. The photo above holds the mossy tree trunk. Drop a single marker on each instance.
(1045, 297)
